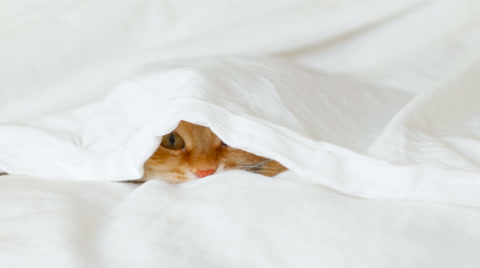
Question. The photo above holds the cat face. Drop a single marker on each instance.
(192, 151)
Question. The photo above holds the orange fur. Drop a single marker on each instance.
(202, 154)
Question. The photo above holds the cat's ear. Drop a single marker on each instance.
(173, 141)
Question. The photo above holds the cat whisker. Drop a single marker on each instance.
(256, 165)
(263, 170)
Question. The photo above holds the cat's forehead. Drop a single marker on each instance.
(195, 132)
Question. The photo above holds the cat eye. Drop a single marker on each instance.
(173, 141)
(224, 144)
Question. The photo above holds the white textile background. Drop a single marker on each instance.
(78, 100)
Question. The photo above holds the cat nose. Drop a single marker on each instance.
(204, 172)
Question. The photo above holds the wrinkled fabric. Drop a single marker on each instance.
(318, 126)
(372, 105)
(234, 219)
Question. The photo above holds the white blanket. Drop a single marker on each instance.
(89, 102)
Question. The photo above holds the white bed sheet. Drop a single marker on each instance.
(238, 219)
(231, 220)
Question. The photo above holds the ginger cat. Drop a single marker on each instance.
(192, 151)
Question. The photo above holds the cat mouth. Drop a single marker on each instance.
(202, 173)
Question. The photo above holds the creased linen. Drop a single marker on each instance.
(388, 111)
(316, 125)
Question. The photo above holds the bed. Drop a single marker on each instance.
(372, 106)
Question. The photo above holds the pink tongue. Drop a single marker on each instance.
(204, 173)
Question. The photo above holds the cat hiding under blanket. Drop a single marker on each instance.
(192, 151)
